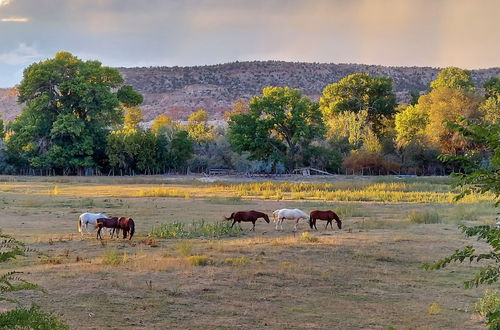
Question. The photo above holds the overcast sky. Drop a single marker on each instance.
(464, 33)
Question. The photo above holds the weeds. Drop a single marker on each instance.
(199, 260)
(306, 237)
(241, 261)
(196, 229)
(489, 303)
(113, 258)
(425, 217)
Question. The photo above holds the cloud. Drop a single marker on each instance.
(23, 54)
(15, 19)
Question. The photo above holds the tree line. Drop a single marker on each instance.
(79, 115)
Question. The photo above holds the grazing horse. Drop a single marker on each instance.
(275, 215)
(106, 223)
(246, 216)
(127, 225)
(290, 214)
(88, 218)
(328, 216)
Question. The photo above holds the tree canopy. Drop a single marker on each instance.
(360, 91)
(70, 107)
(277, 126)
(453, 77)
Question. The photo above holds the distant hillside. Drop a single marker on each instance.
(178, 91)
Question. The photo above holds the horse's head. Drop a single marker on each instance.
(266, 217)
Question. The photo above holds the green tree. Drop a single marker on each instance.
(278, 125)
(480, 177)
(2, 132)
(455, 78)
(181, 149)
(410, 125)
(70, 107)
(491, 105)
(357, 92)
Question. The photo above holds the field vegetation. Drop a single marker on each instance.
(186, 269)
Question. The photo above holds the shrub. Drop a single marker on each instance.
(237, 261)
(367, 162)
(111, 257)
(306, 237)
(434, 309)
(32, 318)
(185, 248)
(199, 260)
(489, 304)
(425, 217)
(195, 229)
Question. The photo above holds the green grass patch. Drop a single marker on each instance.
(113, 258)
(199, 260)
(306, 237)
(423, 217)
(196, 229)
(241, 261)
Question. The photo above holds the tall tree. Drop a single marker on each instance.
(70, 106)
(278, 125)
(491, 105)
(453, 77)
(357, 92)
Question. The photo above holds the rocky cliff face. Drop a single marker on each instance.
(179, 91)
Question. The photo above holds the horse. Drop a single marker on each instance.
(328, 216)
(275, 215)
(246, 216)
(290, 214)
(107, 223)
(127, 225)
(88, 218)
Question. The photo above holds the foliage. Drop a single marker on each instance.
(278, 125)
(481, 174)
(132, 118)
(489, 304)
(160, 122)
(199, 260)
(307, 237)
(70, 105)
(195, 229)
(361, 161)
(410, 125)
(30, 318)
(198, 127)
(479, 178)
(491, 105)
(423, 217)
(357, 92)
(113, 258)
(454, 78)
(444, 103)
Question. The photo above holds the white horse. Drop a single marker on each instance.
(275, 215)
(88, 218)
(290, 214)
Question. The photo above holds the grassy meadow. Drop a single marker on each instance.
(367, 275)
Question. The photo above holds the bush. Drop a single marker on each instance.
(426, 217)
(369, 163)
(489, 304)
(237, 261)
(32, 318)
(111, 257)
(306, 237)
(199, 260)
(195, 229)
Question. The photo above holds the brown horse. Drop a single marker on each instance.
(107, 223)
(246, 216)
(328, 216)
(127, 225)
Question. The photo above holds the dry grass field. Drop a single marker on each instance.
(366, 276)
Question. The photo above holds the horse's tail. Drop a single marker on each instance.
(230, 217)
(132, 228)
(80, 224)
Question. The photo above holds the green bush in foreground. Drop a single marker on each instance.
(196, 229)
(32, 318)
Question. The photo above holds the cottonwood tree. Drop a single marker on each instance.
(70, 106)
(278, 125)
(357, 92)
(454, 78)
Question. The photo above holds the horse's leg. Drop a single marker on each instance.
(239, 225)
(98, 235)
(296, 224)
(234, 221)
(253, 228)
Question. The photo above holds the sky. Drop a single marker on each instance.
(437, 33)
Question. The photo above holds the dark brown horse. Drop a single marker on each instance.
(246, 216)
(127, 225)
(328, 216)
(107, 223)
